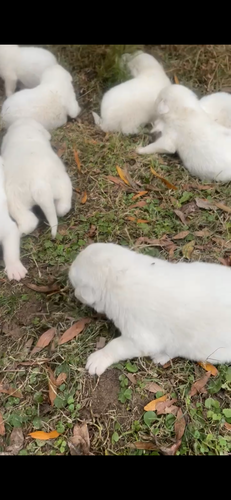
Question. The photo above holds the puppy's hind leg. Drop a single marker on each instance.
(43, 197)
(11, 254)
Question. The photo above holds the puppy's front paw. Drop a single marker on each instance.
(98, 362)
(140, 151)
(16, 271)
(161, 359)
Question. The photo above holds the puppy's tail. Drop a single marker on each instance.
(97, 119)
(43, 197)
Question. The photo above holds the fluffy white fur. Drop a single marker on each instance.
(49, 103)
(127, 106)
(162, 309)
(34, 175)
(203, 145)
(9, 237)
(218, 107)
(24, 64)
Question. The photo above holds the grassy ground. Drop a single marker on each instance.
(113, 406)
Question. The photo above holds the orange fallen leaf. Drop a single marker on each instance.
(131, 218)
(209, 368)
(176, 80)
(141, 193)
(167, 183)
(180, 425)
(181, 236)
(44, 340)
(142, 221)
(122, 175)
(43, 288)
(10, 390)
(152, 405)
(139, 204)
(228, 426)
(44, 436)
(74, 330)
(172, 450)
(199, 386)
(2, 426)
(61, 379)
(77, 160)
(83, 198)
(153, 387)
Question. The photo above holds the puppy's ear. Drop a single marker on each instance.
(162, 107)
(90, 295)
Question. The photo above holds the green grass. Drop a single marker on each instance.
(113, 407)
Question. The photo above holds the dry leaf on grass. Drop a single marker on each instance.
(153, 387)
(162, 407)
(172, 450)
(74, 330)
(199, 386)
(176, 80)
(208, 367)
(44, 340)
(77, 160)
(167, 183)
(202, 233)
(83, 198)
(10, 390)
(62, 150)
(143, 445)
(16, 441)
(152, 405)
(91, 232)
(122, 175)
(228, 426)
(225, 261)
(163, 242)
(2, 426)
(131, 377)
(142, 221)
(115, 180)
(187, 249)
(180, 425)
(223, 207)
(139, 204)
(44, 436)
(101, 343)
(54, 287)
(141, 193)
(207, 205)
(52, 386)
(181, 217)
(33, 363)
(79, 443)
(181, 236)
(61, 379)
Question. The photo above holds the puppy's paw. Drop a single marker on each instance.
(16, 271)
(160, 359)
(140, 151)
(98, 362)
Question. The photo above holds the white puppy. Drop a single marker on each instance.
(9, 237)
(34, 175)
(203, 145)
(218, 107)
(24, 64)
(49, 103)
(162, 309)
(127, 106)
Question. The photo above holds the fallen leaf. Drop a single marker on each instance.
(44, 340)
(143, 445)
(122, 175)
(101, 343)
(167, 183)
(228, 426)
(83, 198)
(43, 288)
(52, 383)
(61, 379)
(44, 436)
(131, 377)
(208, 367)
(77, 160)
(176, 80)
(171, 251)
(172, 450)
(2, 426)
(166, 365)
(171, 409)
(74, 330)
(141, 193)
(142, 221)
(62, 150)
(139, 204)
(152, 405)
(16, 441)
(225, 261)
(115, 180)
(187, 249)
(163, 405)
(199, 386)
(181, 236)
(202, 233)
(223, 207)
(153, 387)
(79, 443)
(131, 218)
(207, 205)
(180, 425)
(163, 242)
(91, 232)
(10, 390)
(181, 217)
(189, 208)
(33, 363)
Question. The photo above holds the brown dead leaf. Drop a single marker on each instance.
(208, 367)
(223, 207)
(153, 387)
(176, 80)
(180, 425)
(228, 426)
(187, 249)
(172, 450)
(33, 363)
(141, 193)
(61, 379)
(83, 198)
(115, 180)
(181, 217)
(207, 205)
(74, 330)
(199, 386)
(6, 389)
(163, 405)
(77, 160)
(163, 242)
(131, 377)
(166, 365)
(122, 175)
(225, 261)
(44, 340)
(52, 386)
(165, 181)
(91, 232)
(79, 443)
(139, 204)
(43, 288)
(16, 441)
(152, 405)
(101, 343)
(2, 426)
(171, 409)
(144, 445)
(44, 436)
(202, 233)
(181, 236)
(62, 150)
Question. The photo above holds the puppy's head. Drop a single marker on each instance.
(174, 99)
(141, 63)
